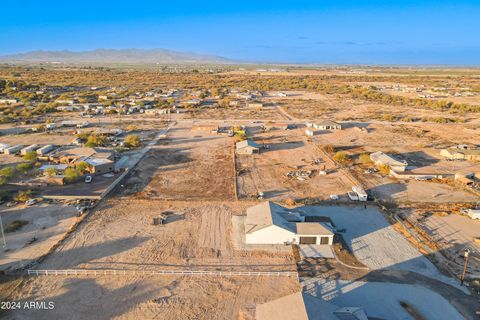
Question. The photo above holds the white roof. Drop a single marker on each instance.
(381, 157)
(247, 143)
(267, 214)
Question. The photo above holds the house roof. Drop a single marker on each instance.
(381, 157)
(327, 123)
(313, 228)
(470, 152)
(247, 143)
(267, 214)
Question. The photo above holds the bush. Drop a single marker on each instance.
(71, 174)
(51, 171)
(24, 167)
(384, 169)
(341, 157)
(23, 196)
(7, 172)
(15, 225)
(328, 148)
(131, 127)
(132, 140)
(364, 158)
(30, 156)
(83, 167)
(95, 140)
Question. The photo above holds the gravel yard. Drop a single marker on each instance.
(375, 242)
(382, 300)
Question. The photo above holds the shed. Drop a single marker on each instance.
(247, 147)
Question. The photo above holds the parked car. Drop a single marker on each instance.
(30, 202)
(334, 197)
(88, 179)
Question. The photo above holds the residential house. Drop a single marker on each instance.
(269, 223)
(381, 158)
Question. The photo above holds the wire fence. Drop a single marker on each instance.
(94, 272)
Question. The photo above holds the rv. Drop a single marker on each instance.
(362, 195)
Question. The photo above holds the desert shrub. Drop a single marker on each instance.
(24, 167)
(23, 196)
(341, 157)
(364, 158)
(30, 156)
(132, 140)
(7, 172)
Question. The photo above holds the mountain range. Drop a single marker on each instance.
(115, 56)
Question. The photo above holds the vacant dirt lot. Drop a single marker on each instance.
(46, 225)
(187, 165)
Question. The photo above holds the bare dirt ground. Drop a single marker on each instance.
(187, 165)
(150, 298)
(47, 223)
(38, 138)
(267, 112)
(119, 235)
(289, 150)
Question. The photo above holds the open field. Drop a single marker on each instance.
(187, 165)
(47, 223)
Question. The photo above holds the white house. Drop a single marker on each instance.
(327, 125)
(269, 223)
(381, 158)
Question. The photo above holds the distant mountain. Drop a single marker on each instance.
(115, 56)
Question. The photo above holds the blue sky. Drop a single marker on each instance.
(369, 32)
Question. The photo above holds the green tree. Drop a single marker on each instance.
(71, 174)
(82, 167)
(95, 140)
(30, 156)
(7, 172)
(24, 167)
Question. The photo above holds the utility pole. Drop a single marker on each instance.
(466, 255)
(3, 234)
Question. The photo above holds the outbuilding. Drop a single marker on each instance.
(381, 158)
(247, 147)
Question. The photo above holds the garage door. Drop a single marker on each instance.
(308, 240)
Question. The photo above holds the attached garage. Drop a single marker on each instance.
(314, 233)
(308, 240)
